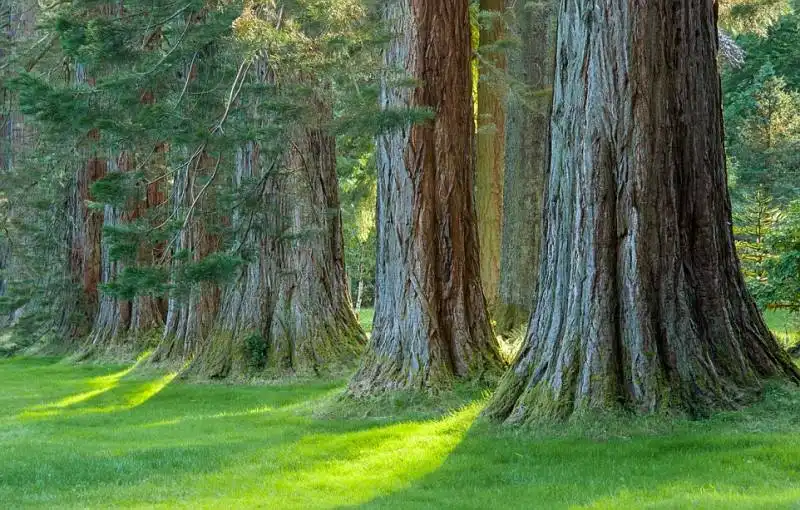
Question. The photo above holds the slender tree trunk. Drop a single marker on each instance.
(290, 310)
(360, 290)
(641, 303)
(431, 323)
(531, 66)
(491, 150)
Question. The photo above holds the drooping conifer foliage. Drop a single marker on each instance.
(191, 156)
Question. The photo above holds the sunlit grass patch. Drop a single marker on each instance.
(154, 442)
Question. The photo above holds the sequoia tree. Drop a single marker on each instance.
(430, 313)
(490, 147)
(290, 310)
(530, 65)
(641, 304)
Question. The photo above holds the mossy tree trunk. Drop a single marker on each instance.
(527, 149)
(431, 322)
(490, 148)
(290, 309)
(641, 304)
(17, 26)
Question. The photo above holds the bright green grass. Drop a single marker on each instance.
(786, 326)
(365, 318)
(102, 436)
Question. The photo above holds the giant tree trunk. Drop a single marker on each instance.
(290, 310)
(113, 316)
(122, 324)
(490, 150)
(84, 233)
(527, 156)
(193, 309)
(641, 303)
(17, 25)
(431, 323)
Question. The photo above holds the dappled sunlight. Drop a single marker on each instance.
(100, 385)
(303, 405)
(229, 446)
(69, 406)
(331, 470)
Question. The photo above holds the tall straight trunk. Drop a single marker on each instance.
(641, 303)
(191, 314)
(148, 312)
(490, 149)
(290, 310)
(431, 322)
(113, 316)
(84, 233)
(120, 323)
(17, 25)
(531, 65)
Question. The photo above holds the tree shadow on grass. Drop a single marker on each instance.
(725, 462)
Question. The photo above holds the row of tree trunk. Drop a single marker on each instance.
(614, 226)
(639, 301)
(288, 309)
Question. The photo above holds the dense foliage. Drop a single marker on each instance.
(762, 115)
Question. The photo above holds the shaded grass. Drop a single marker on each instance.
(140, 443)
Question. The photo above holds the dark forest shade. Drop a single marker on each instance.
(641, 303)
(431, 323)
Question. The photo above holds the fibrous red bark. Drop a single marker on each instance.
(431, 323)
(191, 314)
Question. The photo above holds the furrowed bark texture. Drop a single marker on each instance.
(641, 303)
(490, 150)
(430, 320)
(113, 316)
(148, 312)
(290, 309)
(84, 234)
(120, 323)
(191, 315)
(17, 25)
(527, 150)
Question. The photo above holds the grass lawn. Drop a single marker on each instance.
(365, 319)
(785, 325)
(108, 436)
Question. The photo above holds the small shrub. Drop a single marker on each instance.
(255, 351)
